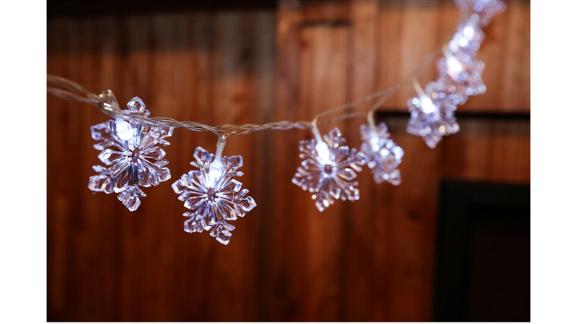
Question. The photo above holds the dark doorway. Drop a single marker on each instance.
(483, 257)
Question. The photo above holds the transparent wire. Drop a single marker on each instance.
(106, 102)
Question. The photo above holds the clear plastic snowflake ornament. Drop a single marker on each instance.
(484, 9)
(468, 37)
(461, 74)
(132, 156)
(432, 114)
(211, 194)
(381, 154)
(328, 169)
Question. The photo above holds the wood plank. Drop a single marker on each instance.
(359, 217)
(489, 151)
(284, 282)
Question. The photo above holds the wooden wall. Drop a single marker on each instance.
(368, 260)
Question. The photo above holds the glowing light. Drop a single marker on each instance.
(454, 66)
(214, 173)
(323, 153)
(468, 31)
(427, 105)
(466, 36)
(124, 130)
(374, 142)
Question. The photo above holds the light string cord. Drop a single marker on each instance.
(106, 102)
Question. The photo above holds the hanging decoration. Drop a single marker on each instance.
(432, 111)
(130, 143)
(328, 169)
(460, 74)
(212, 195)
(131, 154)
(381, 154)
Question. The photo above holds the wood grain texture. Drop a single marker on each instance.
(364, 261)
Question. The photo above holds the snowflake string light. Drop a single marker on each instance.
(328, 169)
(468, 36)
(382, 155)
(131, 154)
(212, 195)
(461, 74)
(484, 9)
(432, 114)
